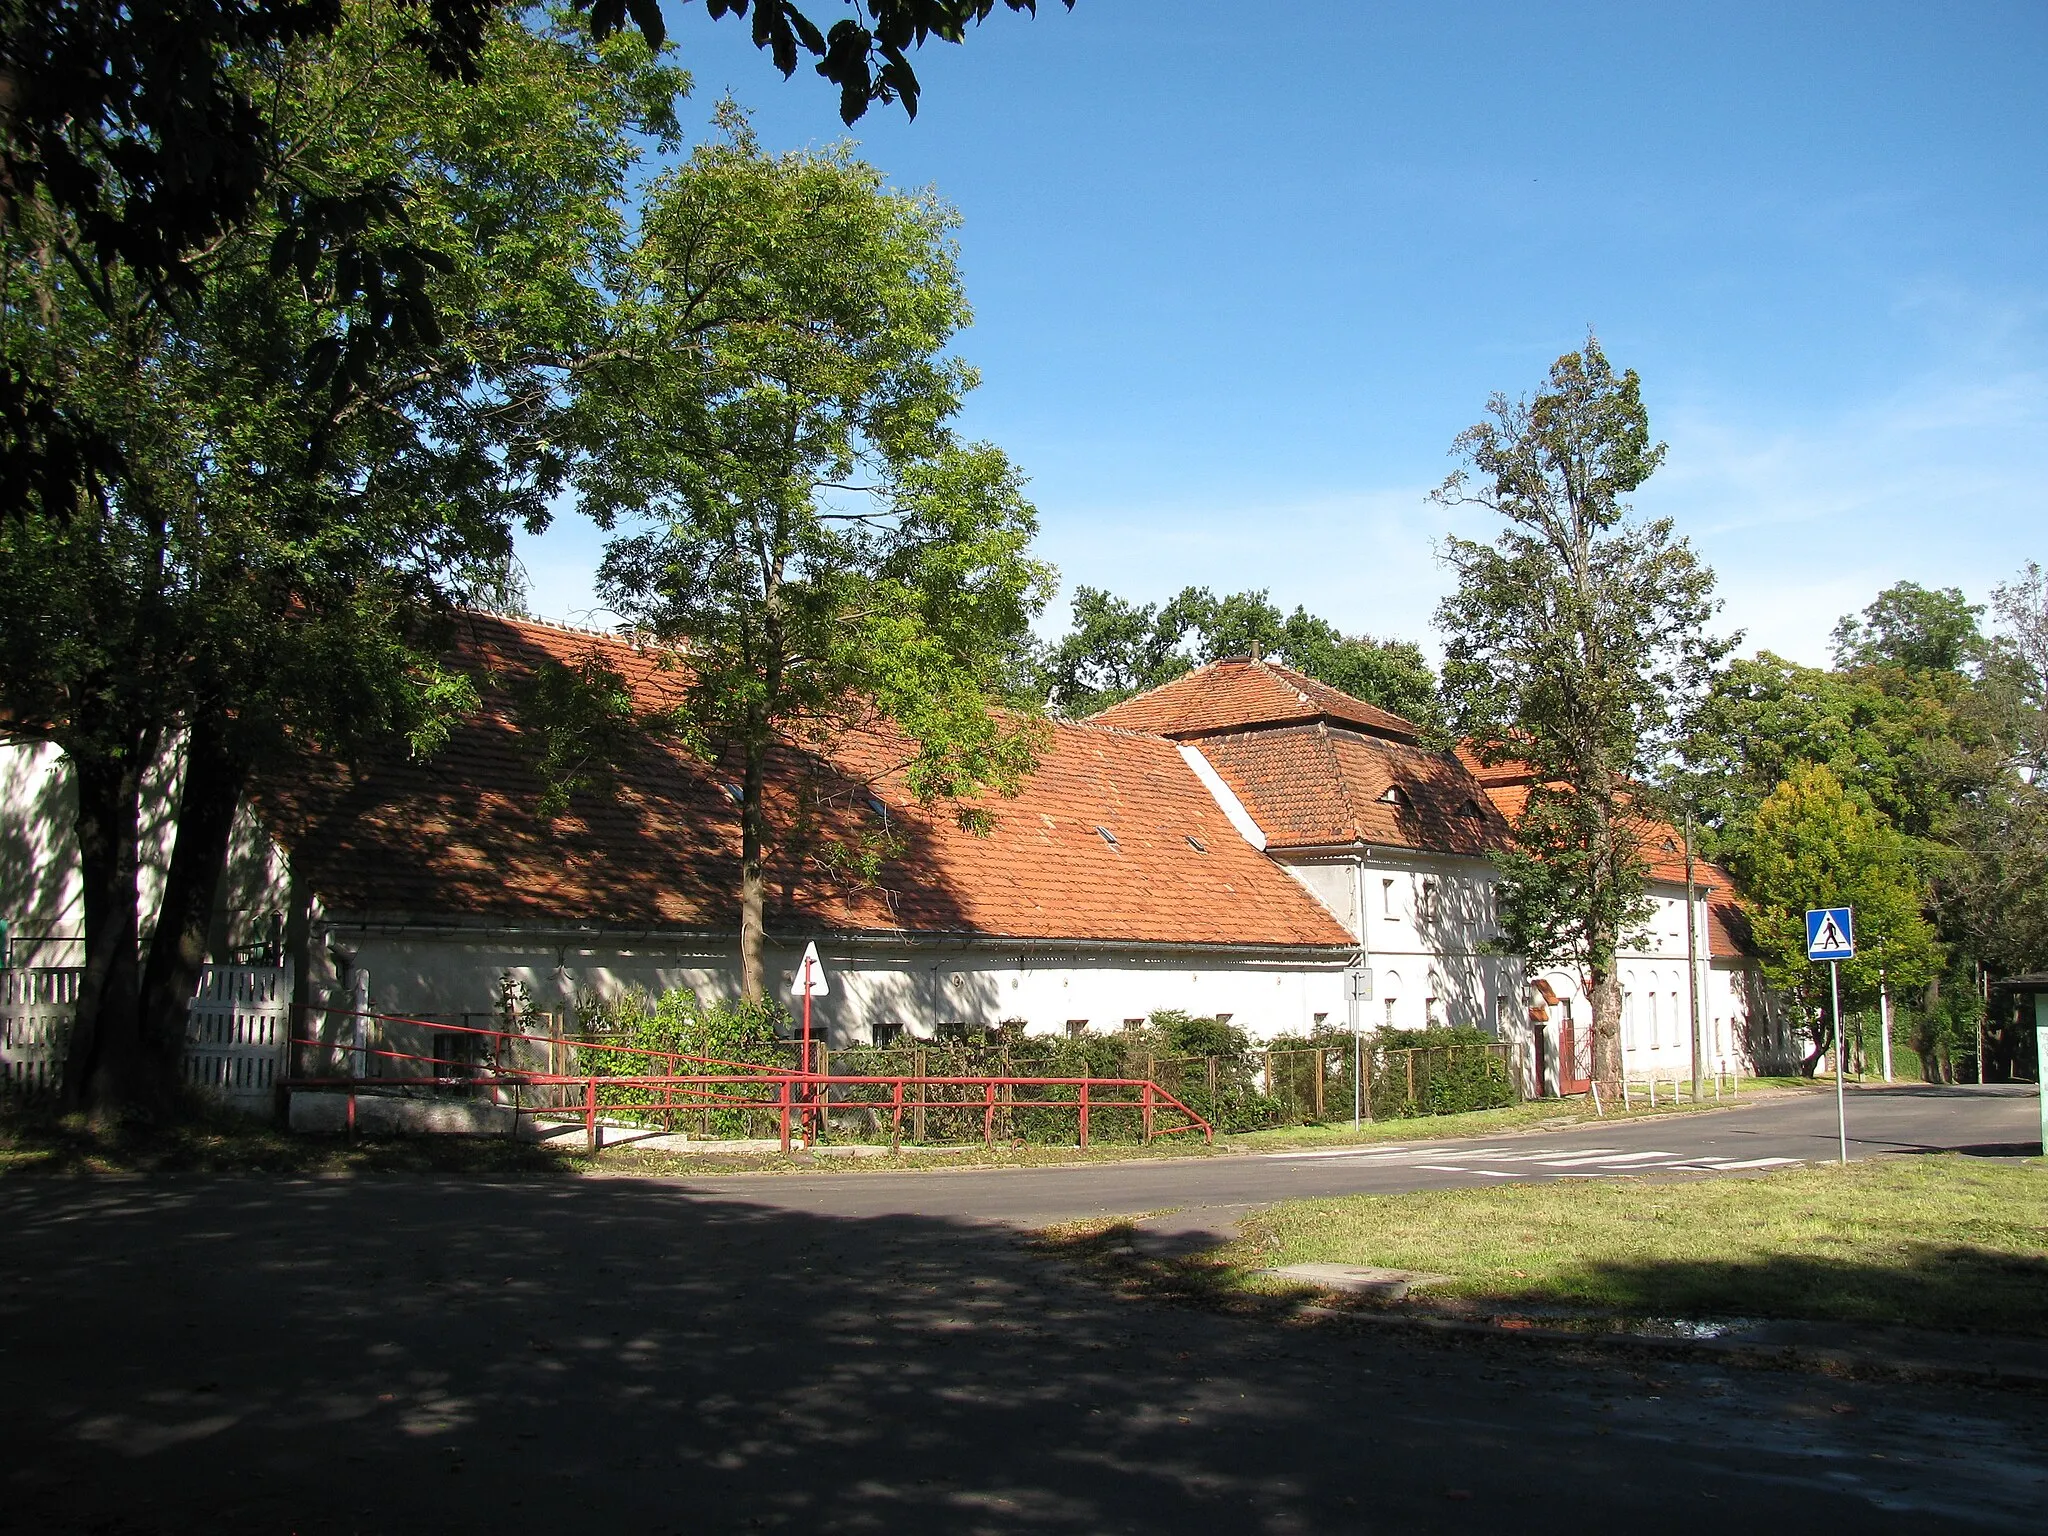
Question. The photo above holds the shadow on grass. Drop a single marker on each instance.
(35, 1140)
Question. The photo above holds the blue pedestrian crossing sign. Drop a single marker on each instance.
(1830, 934)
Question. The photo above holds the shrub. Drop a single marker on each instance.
(654, 1031)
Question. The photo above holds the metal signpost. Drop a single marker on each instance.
(1831, 936)
(808, 983)
(1357, 989)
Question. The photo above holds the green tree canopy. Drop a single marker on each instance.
(775, 430)
(1117, 648)
(1814, 846)
(1575, 642)
(261, 559)
(1913, 628)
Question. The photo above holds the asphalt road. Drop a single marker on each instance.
(387, 1355)
(1771, 1132)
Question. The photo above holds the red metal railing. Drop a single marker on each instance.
(795, 1097)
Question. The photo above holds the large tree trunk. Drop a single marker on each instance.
(111, 1070)
(1605, 993)
(212, 793)
(753, 882)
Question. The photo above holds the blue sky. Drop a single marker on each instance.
(1238, 285)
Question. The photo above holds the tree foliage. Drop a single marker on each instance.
(260, 563)
(1574, 643)
(1118, 648)
(804, 523)
(1814, 846)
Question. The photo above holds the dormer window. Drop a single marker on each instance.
(1671, 845)
(1470, 808)
(1395, 795)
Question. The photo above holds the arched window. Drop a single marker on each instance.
(1655, 1038)
(1628, 1010)
(1432, 1001)
(1390, 992)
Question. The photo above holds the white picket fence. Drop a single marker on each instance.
(235, 1034)
(36, 1010)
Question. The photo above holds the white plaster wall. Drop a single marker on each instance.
(41, 894)
(445, 976)
(1426, 918)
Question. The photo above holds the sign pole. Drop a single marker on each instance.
(807, 1048)
(1357, 1063)
(1841, 1113)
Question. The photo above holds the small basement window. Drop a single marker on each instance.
(1077, 1026)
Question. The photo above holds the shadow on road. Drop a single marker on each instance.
(394, 1356)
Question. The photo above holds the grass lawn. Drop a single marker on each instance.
(1943, 1242)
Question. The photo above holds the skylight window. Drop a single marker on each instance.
(1196, 843)
(734, 793)
(1109, 837)
(879, 806)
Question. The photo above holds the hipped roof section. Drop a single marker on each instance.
(1239, 694)
(1112, 840)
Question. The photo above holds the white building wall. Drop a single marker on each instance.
(877, 989)
(1424, 922)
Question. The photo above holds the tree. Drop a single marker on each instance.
(1894, 748)
(146, 127)
(811, 531)
(1912, 628)
(1574, 643)
(1117, 648)
(1993, 892)
(1813, 846)
(257, 572)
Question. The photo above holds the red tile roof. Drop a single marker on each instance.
(455, 835)
(1315, 785)
(1236, 694)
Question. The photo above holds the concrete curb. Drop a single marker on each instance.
(1785, 1353)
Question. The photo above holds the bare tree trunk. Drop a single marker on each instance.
(753, 884)
(1607, 1063)
(212, 793)
(110, 1069)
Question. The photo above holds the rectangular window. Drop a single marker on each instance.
(889, 1034)
(1134, 1023)
(1387, 901)
(1077, 1026)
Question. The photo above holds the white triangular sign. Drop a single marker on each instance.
(810, 975)
(1830, 937)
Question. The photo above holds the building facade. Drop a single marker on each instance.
(1226, 845)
